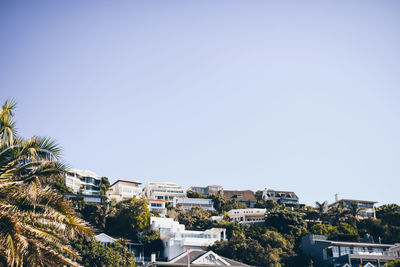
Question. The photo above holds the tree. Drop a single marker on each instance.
(395, 263)
(286, 222)
(36, 225)
(195, 219)
(95, 254)
(131, 216)
(104, 186)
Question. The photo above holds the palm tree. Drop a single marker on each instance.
(36, 225)
(354, 209)
(321, 208)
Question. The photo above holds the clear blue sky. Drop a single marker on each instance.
(288, 95)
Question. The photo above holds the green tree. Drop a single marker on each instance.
(95, 254)
(104, 186)
(195, 219)
(286, 222)
(131, 216)
(36, 225)
(395, 263)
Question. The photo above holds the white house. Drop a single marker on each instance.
(164, 190)
(188, 203)
(123, 189)
(247, 216)
(177, 240)
(83, 182)
(157, 205)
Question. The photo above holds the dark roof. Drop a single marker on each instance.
(278, 191)
(247, 195)
(126, 181)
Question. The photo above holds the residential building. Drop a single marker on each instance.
(367, 208)
(206, 190)
(188, 203)
(246, 197)
(280, 197)
(198, 258)
(247, 216)
(158, 206)
(326, 252)
(164, 190)
(83, 182)
(86, 198)
(177, 240)
(137, 248)
(124, 189)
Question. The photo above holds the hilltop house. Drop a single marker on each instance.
(206, 190)
(124, 189)
(247, 216)
(367, 208)
(188, 203)
(164, 190)
(281, 197)
(246, 197)
(83, 182)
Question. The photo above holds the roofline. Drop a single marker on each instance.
(126, 181)
(355, 200)
(354, 243)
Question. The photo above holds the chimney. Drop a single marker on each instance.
(337, 198)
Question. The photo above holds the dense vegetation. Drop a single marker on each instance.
(37, 227)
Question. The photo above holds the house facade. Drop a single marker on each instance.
(247, 216)
(326, 252)
(124, 189)
(177, 239)
(188, 203)
(83, 182)
(167, 191)
(367, 208)
(246, 197)
(281, 197)
(206, 190)
(158, 206)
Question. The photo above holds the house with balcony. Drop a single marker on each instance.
(326, 252)
(188, 203)
(167, 191)
(367, 208)
(177, 239)
(247, 216)
(206, 190)
(158, 206)
(124, 189)
(83, 182)
(246, 197)
(280, 197)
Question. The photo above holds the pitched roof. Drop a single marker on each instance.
(126, 181)
(247, 195)
(195, 255)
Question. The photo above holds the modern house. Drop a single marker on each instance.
(178, 240)
(124, 189)
(198, 258)
(206, 190)
(367, 208)
(188, 203)
(281, 197)
(246, 197)
(85, 198)
(247, 216)
(164, 190)
(326, 252)
(83, 182)
(158, 206)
